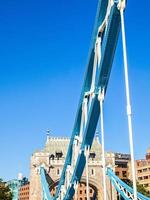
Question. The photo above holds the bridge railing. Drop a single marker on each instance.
(123, 189)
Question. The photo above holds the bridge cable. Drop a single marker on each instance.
(76, 190)
(87, 149)
(101, 100)
(121, 7)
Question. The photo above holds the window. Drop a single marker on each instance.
(90, 190)
(145, 170)
(92, 172)
(58, 171)
(51, 157)
(140, 171)
(117, 173)
(58, 154)
(80, 191)
(124, 173)
(145, 185)
(92, 155)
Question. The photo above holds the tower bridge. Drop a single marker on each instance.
(77, 164)
(49, 159)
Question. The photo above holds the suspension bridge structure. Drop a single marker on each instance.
(109, 21)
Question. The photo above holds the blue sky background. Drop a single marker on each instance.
(43, 53)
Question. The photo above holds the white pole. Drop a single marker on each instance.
(87, 172)
(67, 176)
(94, 70)
(83, 118)
(85, 111)
(101, 99)
(76, 190)
(129, 113)
(119, 196)
(81, 127)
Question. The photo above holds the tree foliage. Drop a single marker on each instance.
(142, 190)
(5, 193)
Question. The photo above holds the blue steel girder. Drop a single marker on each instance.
(109, 41)
(95, 109)
(123, 189)
(101, 12)
(45, 188)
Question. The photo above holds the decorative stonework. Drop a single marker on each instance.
(52, 157)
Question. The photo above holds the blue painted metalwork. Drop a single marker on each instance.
(45, 187)
(107, 31)
(122, 188)
(109, 36)
(109, 40)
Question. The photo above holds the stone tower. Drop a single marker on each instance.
(52, 157)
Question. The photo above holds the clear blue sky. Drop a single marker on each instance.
(43, 53)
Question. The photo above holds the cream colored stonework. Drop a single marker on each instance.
(54, 167)
(142, 171)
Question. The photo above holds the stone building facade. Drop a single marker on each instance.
(24, 192)
(52, 157)
(121, 165)
(142, 171)
(16, 184)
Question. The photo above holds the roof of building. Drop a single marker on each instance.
(60, 144)
(122, 156)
